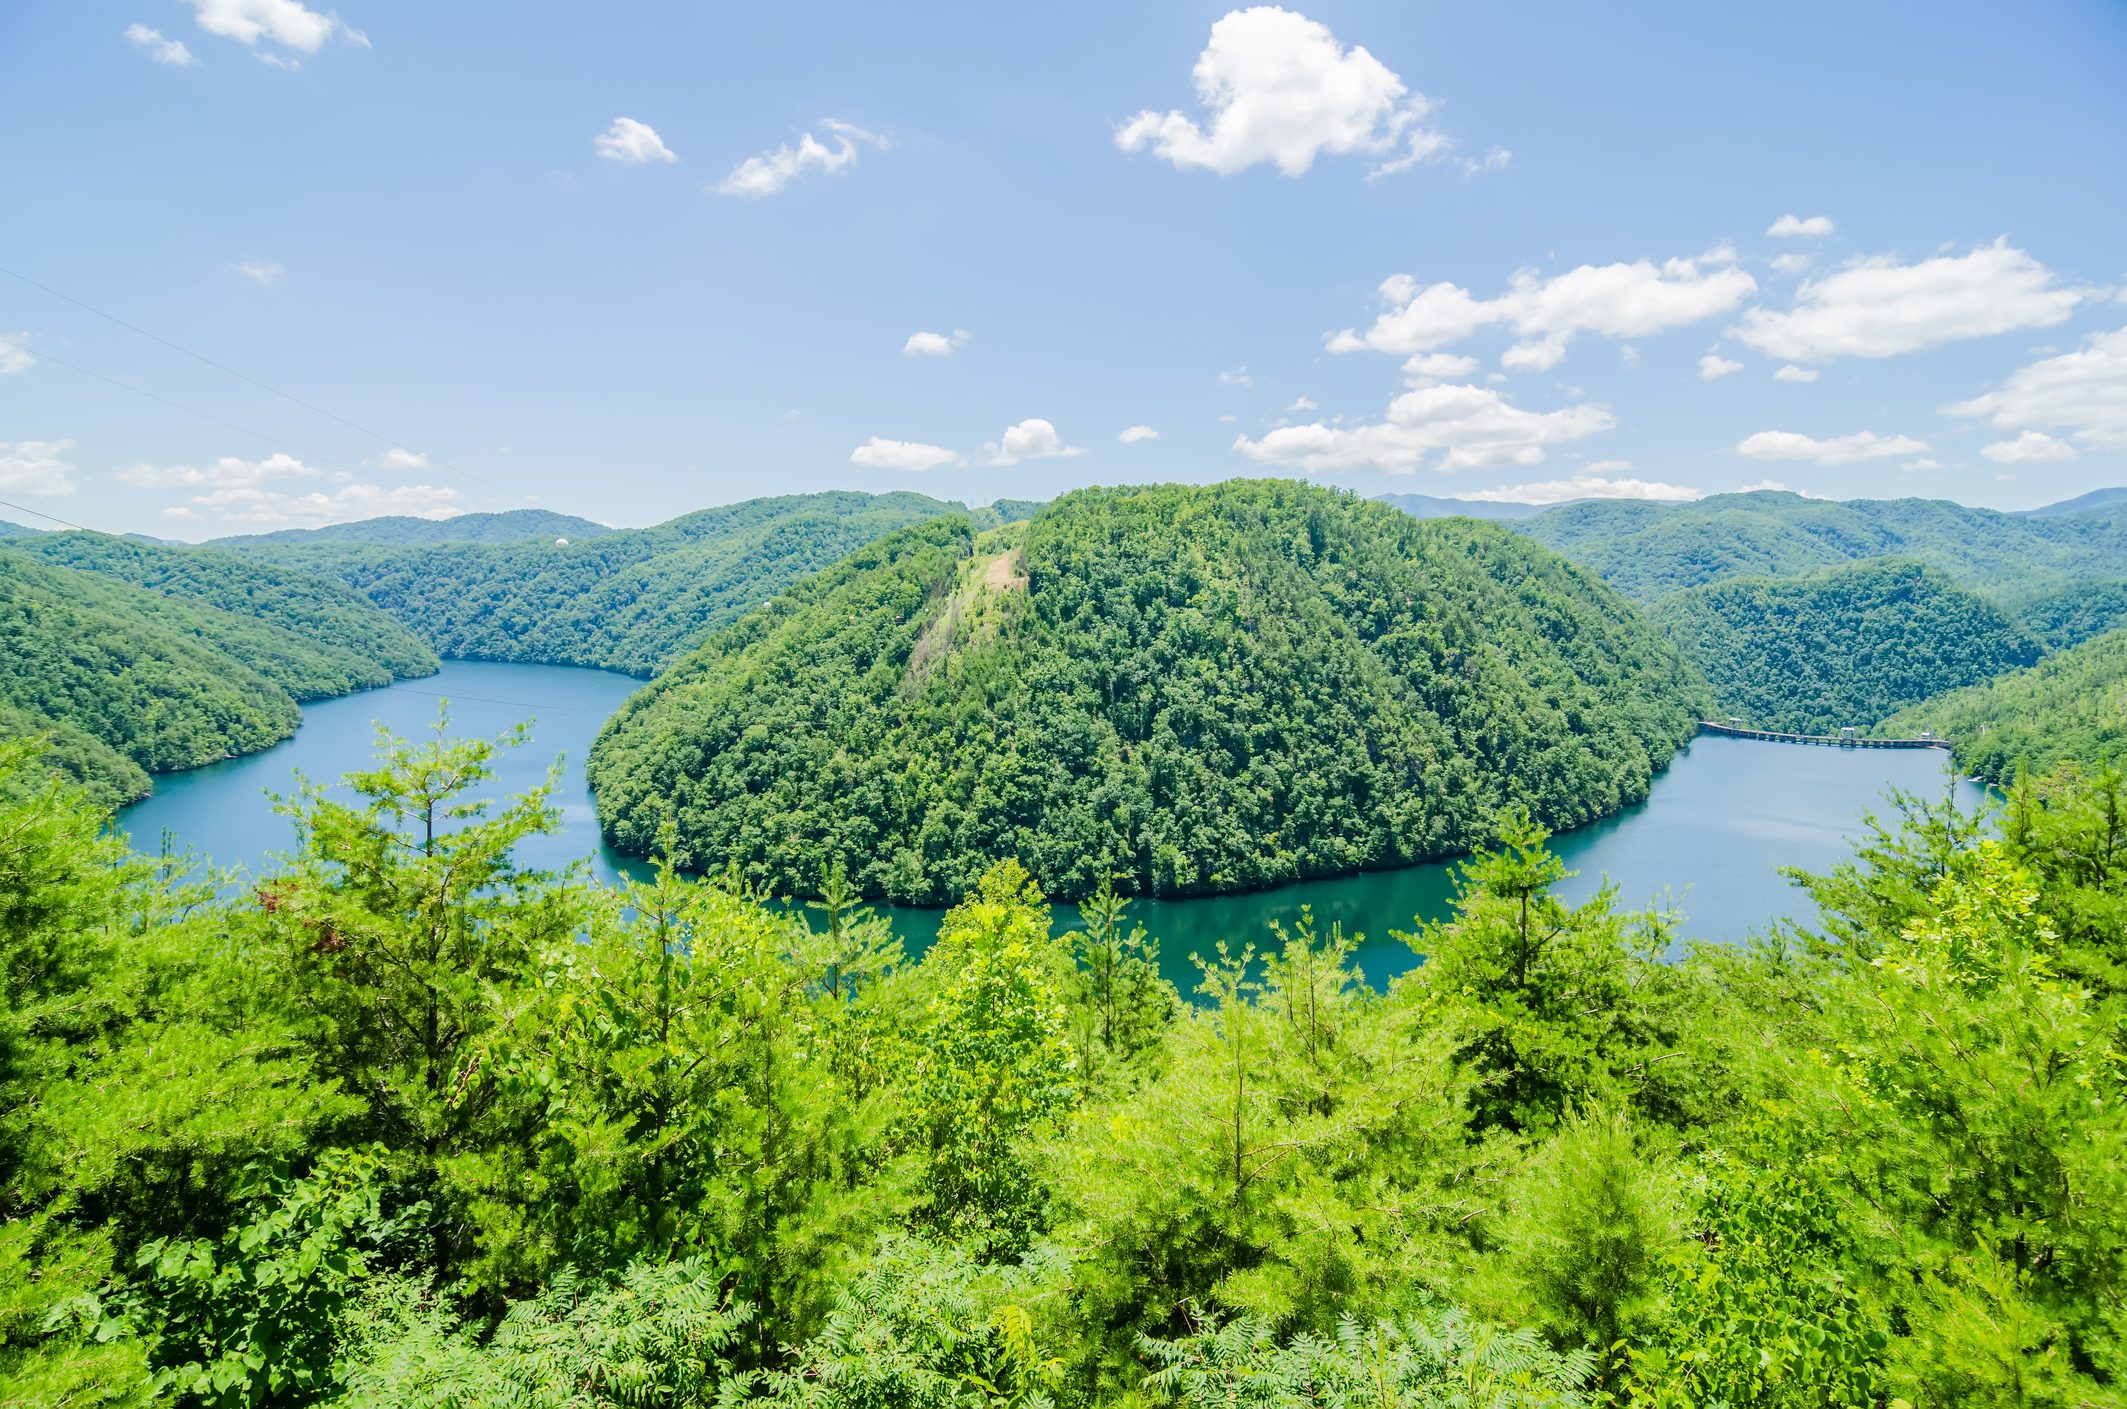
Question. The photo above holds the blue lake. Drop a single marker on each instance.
(1708, 841)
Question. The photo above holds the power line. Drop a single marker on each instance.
(254, 381)
(39, 513)
(295, 450)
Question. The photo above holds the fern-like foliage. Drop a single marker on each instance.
(1442, 1360)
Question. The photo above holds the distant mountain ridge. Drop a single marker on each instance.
(630, 600)
(509, 526)
(2095, 500)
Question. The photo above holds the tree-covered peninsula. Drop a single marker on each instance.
(2070, 706)
(1190, 689)
(134, 659)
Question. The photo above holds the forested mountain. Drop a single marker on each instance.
(1429, 506)
(1649, 550)
(2075, 614)
(1195, 688)
(2070, 706)
(511, 526)
(1848, 646)
(139, 659)
(15, 530)
(345, 639)
(2108, 501)
(632, 600)
(412, 1125)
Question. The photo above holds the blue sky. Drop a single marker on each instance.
(1543, 234)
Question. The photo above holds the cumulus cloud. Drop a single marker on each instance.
(633, 143)
(1031, 439)
(1880, 308)
(231, 471)
(1134, 434)
(770, 172)
(2083, 392)
(1303, 403)
(160, 48)
(1791, 263)
(1713, 366)
(1763, 484)
(1582, 486)
(1278, 87)
(1836, 450)
(36, 467)
(934, 344)
(1792, 227)
(1613, 300)
(15, 358)
(284, 22)
(1238, 376)
(255, 505)
(881, 454)
(263, 272)
(1792, 373)
(1470, 428)
(1921, 464)
(1423, 369)
(2030, 448)
(404, 461)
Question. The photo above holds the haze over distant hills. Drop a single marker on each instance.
(511, 526)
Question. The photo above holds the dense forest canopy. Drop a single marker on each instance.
(2070, 706)
(1193, 688)
(1847, 646)
(632, 600)
(2073, 615)
(413, 1125)
(139, 659)
(1649, 550)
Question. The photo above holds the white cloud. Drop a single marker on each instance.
(161, 49)
(1712, 366)
(1836, 450)
(1795, 227)
(934, 344)
(228, 472)
(1472, 428)
(2030, 448)
(1423, 369)
(1881, 308)
(36, 467)
(403, 461)
(880, 454)
(633, 143)
(1792, 373)
(1303, 403)
(251, 504)
(1921, 464)
(1494, 160)
(1277, 87)
(1237, 377)
(263, 272)
(2083, 392)
(1031, 439)
(1582, 486)
(14, 357)
(285, 22)
(1791, 263)
(1763, 484)
(770, 172)
(1614, 300)
(1134, 434)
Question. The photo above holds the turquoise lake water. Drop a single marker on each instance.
(1708, 840)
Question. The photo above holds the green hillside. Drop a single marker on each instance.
(137, 659)
(2070, 706)
(513, 526)
(2075, 614)
(326, 639)
(1199, 688)
(1849, 645)
(631, 601)
(1649, 550)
